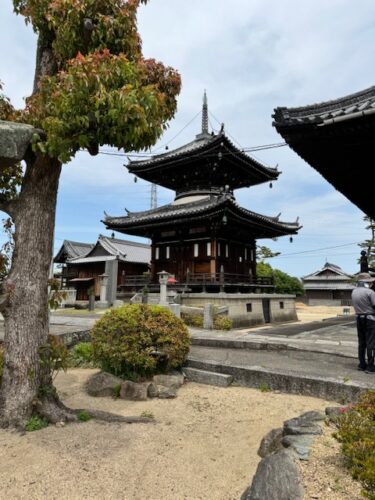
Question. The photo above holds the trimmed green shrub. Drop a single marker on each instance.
(222, 323)
(196, 321)
(1, 361)
(356, 433)
(135, 341)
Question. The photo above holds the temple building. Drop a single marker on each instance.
(337, 139)
(83, 265)
(204, 238)
(329, 286)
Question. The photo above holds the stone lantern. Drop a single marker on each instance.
(103, 303)
(163, 280)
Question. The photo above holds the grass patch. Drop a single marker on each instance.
(83, 416)
(264, 388)
(147, 414)
(36, 424)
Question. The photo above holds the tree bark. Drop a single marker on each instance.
(26, 314)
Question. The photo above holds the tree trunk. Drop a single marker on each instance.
(26, 316)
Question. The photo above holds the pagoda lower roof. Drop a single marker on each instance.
(217, 160)
(337, 139)
(209, 208)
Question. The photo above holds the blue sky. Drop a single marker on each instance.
(251, 56)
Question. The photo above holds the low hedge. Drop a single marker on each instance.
(137, 341)
(356, 433)
(196, 321)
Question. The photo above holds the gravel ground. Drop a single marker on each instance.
(202, 446)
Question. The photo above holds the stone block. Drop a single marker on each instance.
(166, 392)
(175, 380)
(210, 378)
(152, 390)
(15, 138)
(133, 391)
(102, 384)
(271, 442)
(276, 478)
(299, 444)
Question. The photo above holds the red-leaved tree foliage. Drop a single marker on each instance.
(92, 86)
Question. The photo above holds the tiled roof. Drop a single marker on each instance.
(328, 286)
(193, 146)
(132, 251)
(340, 275)
(178, 211)
(198, 147)
(128, 251)
(361, 102)
(72, 249)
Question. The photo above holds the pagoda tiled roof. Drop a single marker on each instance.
(204, 146)
(361, 102)
(205, 207)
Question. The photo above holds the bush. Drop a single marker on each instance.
(83, 354)
(1, 361)
(222, 323)
(356, 433)
(196, 321)
(135, 341)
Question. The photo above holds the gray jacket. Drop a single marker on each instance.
(363, 300)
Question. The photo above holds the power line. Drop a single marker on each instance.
(313, 250)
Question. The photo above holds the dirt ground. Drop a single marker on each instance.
(202, 445)
(306, 313)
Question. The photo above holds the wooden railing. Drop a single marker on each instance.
(203, 280)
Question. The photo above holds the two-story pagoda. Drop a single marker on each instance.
(203, 236)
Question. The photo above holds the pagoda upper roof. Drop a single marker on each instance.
(208, 160)
(206, 208)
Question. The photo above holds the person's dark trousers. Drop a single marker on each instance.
(370, 343)
(361, 329)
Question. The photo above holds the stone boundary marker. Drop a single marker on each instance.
(277, 476)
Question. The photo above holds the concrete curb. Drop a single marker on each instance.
(260, 345)
(286, 381)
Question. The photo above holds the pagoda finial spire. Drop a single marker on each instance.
(205, 114)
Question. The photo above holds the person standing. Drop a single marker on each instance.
(363, 300)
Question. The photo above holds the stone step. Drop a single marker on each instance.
(205, 377)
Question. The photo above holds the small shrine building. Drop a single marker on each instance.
(329, 286)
